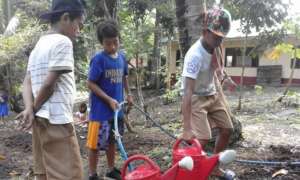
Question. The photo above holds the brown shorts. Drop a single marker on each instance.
(209, 112)
(56, 151)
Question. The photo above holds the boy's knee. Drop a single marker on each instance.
(226, 131)
(93, 151)
(40, 177)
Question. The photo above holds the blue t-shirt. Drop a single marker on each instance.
(108, 74)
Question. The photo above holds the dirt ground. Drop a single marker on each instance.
(271, 132)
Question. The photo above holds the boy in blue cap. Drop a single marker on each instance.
(48, 93)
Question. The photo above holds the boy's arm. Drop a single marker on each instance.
(113, 104)
(27, 92)
(46, 90)
(187, 108)
(27, 115)
(127, 90)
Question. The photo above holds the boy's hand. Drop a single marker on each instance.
(26, 119)
(229, 84)
(129, 99)
(187, 135)
(113, 104)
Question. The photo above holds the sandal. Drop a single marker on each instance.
(228, 175)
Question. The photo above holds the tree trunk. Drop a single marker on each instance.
(155, 57)
(169, 48)
(7, 10)
(287, 87)
(189, 21)
(106, 9)
(243, 73)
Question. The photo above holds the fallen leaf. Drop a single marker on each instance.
(14, 173)
(280, 172)
(2, 157)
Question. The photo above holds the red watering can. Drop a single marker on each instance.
(150, 171)
(203, 165)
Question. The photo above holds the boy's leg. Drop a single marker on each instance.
(92, 145)
(111, 151)
(219, 116)
(199, 121)
(110, 155)
(39, 169)
(60, 149)
(222, 139)
(93, 161)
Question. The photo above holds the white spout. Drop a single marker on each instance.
(227, 156)
(186, 163)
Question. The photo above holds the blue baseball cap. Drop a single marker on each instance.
(60, 6)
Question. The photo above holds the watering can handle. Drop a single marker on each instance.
(194, 142)
(138, 157)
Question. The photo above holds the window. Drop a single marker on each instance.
(297, 65)
(234, 58)
(229, 61)
(178, 58)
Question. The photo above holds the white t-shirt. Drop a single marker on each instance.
(197, 65)
(54, 52)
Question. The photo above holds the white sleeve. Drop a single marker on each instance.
(62, 56)
(191, 67)
(28, 69)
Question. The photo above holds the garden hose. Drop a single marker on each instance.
(250, 162)
(118, 136)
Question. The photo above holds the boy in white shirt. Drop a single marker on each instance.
(203, 106)
(48, 93)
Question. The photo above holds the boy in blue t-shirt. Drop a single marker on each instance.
(107, 80)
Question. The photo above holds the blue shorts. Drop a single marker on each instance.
(101, 134)
(3, 109)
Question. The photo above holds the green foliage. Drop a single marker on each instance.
(32, 8)
(263, 16)
(15, 46)
(81, 62)
(2, 19)
(167, 16)
(138, 9)
(291, 93)
(256, 13)
(171, 95)
(137, 28)
(286, 48)
(258, 90)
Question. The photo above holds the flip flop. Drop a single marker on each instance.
(228, 175)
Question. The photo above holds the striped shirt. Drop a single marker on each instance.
(54, 52)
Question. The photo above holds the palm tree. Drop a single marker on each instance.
(188, 13)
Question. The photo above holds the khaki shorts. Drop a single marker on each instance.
(56, 151)
(209, 112)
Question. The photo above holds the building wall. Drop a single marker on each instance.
(250, 72)
(285, 62)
